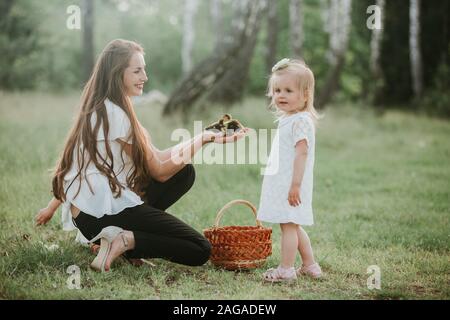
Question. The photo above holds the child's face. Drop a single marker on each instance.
(134, 76)
(287, 94)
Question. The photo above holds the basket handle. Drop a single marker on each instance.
(231, 203)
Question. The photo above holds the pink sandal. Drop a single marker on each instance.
(313, 271)
(280, 274)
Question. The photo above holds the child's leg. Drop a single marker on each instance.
(289, 244)
(304, 247)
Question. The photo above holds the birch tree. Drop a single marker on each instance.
(217, 20)
(231, 87)
(376, 38)
(414, 47)
(337, 21)
(88, 38)
(296, 27)
(190, 9)
(377, 26)
(272, 35)
(202, 79)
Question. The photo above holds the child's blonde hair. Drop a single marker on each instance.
(305, 82)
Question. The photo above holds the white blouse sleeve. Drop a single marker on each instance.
(119, 125)
(302, 129)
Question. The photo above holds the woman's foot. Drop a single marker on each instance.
(119, 245)
(280, 274)
(106, 236)
(313, 271)
(94, 248)
(134, 262)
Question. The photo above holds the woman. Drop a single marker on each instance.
(109, 166)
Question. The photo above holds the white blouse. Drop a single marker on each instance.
(274, 206)
(98, 199)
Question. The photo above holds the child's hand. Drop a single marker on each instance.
(44, 215)
(294, 196)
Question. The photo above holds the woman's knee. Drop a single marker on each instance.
(203, 253)
(187, 175)
(206, 251)
(190, 172)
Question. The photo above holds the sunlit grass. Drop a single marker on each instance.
(381, 197)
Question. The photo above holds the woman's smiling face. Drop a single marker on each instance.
(134, 76)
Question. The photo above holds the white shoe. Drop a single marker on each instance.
(280, 274)
(314, 271)
(106, 236)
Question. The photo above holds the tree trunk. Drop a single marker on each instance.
(338, 26)
(5, 7)
(206, 75)
(231, 87)
(190, 9)
(217, 21)
(332, 82)
(272, 35)
(414, 47)
(375, 51)
(88, 39)
(296, 27)
(375, 43)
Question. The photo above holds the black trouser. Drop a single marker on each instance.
(157, 234)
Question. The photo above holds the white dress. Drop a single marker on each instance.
(100, 200)
(274, 206)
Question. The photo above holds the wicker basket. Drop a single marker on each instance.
(239, 247)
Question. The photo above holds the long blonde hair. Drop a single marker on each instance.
(305, 78)
(106, 82)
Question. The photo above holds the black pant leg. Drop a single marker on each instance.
(162, 195)
(170, 248)
(88, 225)
(157, 234)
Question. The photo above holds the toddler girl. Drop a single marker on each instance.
(286, 196)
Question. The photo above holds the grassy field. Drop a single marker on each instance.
(382, 197)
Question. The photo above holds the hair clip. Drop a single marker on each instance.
(283, 63)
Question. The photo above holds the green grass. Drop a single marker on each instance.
(381, 197)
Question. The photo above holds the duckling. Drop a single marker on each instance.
(226, 124)
(233, 125)
(217, 126)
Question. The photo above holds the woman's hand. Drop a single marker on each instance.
(44, 215)
(219, 137)
(294, 195)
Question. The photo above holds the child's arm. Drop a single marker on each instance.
(45, 214)
(301, 153)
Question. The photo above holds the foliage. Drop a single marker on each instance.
(39, 52)
(395, 59)
(20, 54)
(437, 99)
